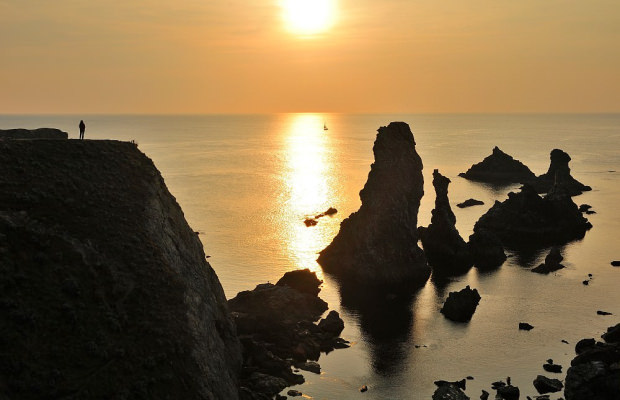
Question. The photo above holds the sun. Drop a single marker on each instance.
(308, 17)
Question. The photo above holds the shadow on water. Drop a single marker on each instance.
(385, 319)
(528, 256)
(496, 189)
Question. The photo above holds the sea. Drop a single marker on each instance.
(246, 183)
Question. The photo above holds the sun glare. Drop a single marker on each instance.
(308, 17)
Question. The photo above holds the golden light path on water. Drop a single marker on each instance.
(309, 171)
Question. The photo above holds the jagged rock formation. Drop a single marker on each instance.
(594, 372)
(527, 220)
(444, 247)
(486, 249)
(460, 306)
(552, 262)
(40, 133)
(499, 168)
(378, 244)
(277, 330)
(559, 175)
(449, 391)
(104, 288)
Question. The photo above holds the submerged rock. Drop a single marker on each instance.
(106, 292)
(559, 175)
(40, 133)
(499, 168)
(486, 249)
(460, 306)
(527, 220)
(445, 249)
(377, 245)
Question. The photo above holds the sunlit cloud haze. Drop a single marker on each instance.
(243, 56)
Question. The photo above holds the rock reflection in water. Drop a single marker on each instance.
(385, 320)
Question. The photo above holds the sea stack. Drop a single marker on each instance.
(444, 247)
(106, 292)
(499, 168)
(559, 175)
(377, 245)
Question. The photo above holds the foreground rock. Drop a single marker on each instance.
(106, 293)
(460, 306)
(486, 249)
(378, 243)
(595, 371)
(526, 220)
(552, 262)
(499, 168)
(277, 330)
(445, 249)
(547, 385)
(40, 133)
(449, 391)
(559, 175)
(508, 392)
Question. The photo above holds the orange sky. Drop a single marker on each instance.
(238, 56)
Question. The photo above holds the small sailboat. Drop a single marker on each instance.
(325, 126)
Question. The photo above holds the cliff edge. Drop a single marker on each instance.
(104, 288)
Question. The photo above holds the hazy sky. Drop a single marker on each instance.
(240, 56)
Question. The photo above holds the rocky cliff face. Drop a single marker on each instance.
(104, 288)
(378, 243)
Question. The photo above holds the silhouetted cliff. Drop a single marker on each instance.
(40, 133)
(104, 288)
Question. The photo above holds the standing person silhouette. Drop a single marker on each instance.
(82, 129)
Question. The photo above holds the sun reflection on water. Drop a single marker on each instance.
(308, 180)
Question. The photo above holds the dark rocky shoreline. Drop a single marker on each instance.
(112, 269)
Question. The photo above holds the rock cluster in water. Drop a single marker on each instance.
(499, 168)
(40, 133)
(526, 219)
(377, 245)
(277, 329)
(445, 249)
(595, 373)
(105, 290)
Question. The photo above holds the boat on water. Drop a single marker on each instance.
(325, 127)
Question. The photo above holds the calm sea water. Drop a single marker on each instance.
(246, 183)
